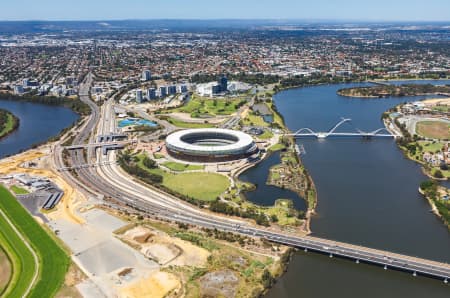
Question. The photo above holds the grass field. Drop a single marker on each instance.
(254, 120)
(277, 147)
(181, 167)
(433, 129)
(8, 125)
(441, 108)
(431, 147)
(199, 106)
(19, 190)
(158, 155)
(53, 260)
(183, 124)
(200, 186)
(266, 135)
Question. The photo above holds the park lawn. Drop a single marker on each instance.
(431, 147)
(445, 108)
(158, 155)
(266, 135)
(19, 190)
(433, 129)
(181, 167)
(53, 260)
(254, 120)
(277, 147)
(199, 106)
(200, 186)
(183, 124)
(8, 125)
(276, 116)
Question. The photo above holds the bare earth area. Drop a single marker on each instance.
(166, 250)
(219, 284)
(434, 129)
(157, 285)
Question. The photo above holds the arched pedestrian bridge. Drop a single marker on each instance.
(308, 132)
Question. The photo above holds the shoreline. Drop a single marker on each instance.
(15, 124)
(306, 227)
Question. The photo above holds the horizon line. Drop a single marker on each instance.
(231, 19)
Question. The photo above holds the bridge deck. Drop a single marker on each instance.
(374, 256)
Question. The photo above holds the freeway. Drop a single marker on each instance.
(111, 181)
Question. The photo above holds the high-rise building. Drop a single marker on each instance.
(223, 82)
(146, 75)
(139, 97)
(18, 89)
(182, 89)
(151, 94)
(162, 91)
(172, 89)
(216, 89)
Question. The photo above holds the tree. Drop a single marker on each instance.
(438, 174)
(267, 279)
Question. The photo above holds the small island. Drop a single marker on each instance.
(8, 123)
(385, 90)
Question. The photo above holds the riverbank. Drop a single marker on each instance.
(8, 123)
(74, 104)
(438, 198)
(382, 91)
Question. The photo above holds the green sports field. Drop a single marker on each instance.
(53, 260)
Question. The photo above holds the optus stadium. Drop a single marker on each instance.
(210, 145)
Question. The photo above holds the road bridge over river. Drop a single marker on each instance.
(110, 181)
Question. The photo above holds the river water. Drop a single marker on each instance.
(38, 123)
(367, 195)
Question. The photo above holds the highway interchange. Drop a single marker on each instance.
(110, 181)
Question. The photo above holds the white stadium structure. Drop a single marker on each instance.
(210, 144)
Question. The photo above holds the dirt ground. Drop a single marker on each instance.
(435, 129)
(5, 270)
(433, 101)
(157, 285)
(219, 284)
(166, 250)
(66, 209)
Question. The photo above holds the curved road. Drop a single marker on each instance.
(111, 181)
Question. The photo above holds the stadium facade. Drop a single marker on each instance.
(210, 145)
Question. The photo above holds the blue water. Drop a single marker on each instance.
(367, 195)
(135, 121)
(266, 195)
(38, 123)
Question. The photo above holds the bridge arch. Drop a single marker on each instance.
(380, 130)
(344, 120)
(304, 129)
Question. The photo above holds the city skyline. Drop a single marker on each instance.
(347, 10)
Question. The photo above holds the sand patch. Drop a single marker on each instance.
(158, 285)
(164, 249)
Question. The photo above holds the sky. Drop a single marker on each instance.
(358, 10)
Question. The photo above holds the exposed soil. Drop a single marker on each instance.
(5, 270)
(158, 285)
(433, 129)
(219, 284)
